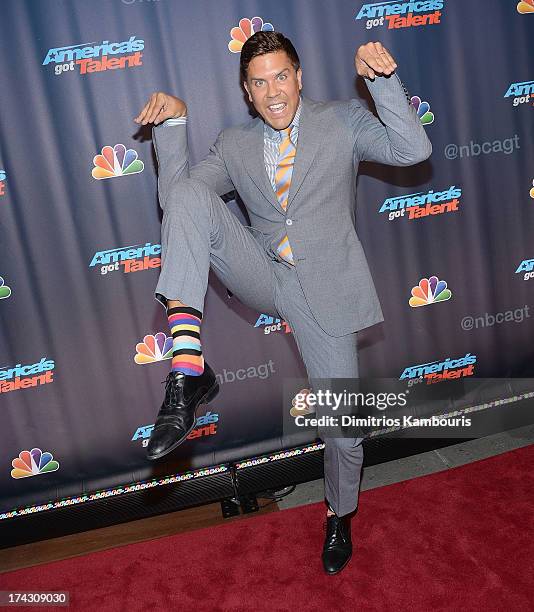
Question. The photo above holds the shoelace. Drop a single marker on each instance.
(338, 531)
(171, 388)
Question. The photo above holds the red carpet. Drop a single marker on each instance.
(456, 540)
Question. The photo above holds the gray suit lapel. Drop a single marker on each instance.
(254, 161)
(307, 147)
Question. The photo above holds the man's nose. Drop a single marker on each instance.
(272, 89)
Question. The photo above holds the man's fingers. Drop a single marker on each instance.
(382, 55)
(387, 58)
(377, 59)
(141, 115)
(160, 107)
(378, 63)
(161, 116)
(157, 110)
(147, 111)
(368, 68)
(153, 109)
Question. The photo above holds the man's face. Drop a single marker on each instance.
(273, 86)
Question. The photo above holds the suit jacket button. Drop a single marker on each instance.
(289, 222)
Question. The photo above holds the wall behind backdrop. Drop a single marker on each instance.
(84, 346)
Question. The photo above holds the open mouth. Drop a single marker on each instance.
(277, 109)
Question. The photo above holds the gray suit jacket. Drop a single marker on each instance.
(333, 138)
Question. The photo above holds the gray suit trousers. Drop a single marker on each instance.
(200, 232)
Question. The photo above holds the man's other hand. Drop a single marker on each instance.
(161, 106)
(372, 59)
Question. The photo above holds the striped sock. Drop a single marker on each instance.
(186, 348)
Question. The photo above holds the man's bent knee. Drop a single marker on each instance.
(187, 193)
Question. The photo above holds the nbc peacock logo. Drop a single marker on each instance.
(5, 291)
(154, 348)
(247, 27)
(423, 110)
(525, 6)
(116, 161)
(429, 291)
(33, 463)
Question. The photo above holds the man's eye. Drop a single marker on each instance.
(258, 83)
(282, 77)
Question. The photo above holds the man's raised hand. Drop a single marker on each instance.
(161, 106)
(372, 59)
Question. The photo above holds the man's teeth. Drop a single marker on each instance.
(277, 107)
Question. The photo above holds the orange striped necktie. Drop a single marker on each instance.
(284, 171)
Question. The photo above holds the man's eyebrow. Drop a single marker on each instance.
(252, 78)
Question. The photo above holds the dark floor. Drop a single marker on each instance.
(210, 514)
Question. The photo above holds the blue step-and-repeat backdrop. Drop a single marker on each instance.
(84, 345)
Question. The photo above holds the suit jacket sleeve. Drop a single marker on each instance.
(399, 139)
(172, 154)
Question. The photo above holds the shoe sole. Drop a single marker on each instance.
(342, 567)
(211, 393)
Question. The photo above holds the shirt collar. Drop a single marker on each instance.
(276, 135)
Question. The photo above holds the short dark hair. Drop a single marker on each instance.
(266, 42)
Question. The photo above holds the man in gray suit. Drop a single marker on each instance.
(295, 167)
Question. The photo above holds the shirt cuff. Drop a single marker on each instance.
(176, 121)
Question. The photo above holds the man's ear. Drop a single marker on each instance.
(247, 90)
(299, 78)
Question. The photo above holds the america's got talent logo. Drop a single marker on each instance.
(205, 425)
(421, 205)
(134, 258)
(3, 178)
(21, 376)
(396, 15)
(521, 93)
(88, 58)
(526, 267)
(272, 324)
(439, 370)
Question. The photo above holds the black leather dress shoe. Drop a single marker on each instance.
(337, 549)
(176, 418)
